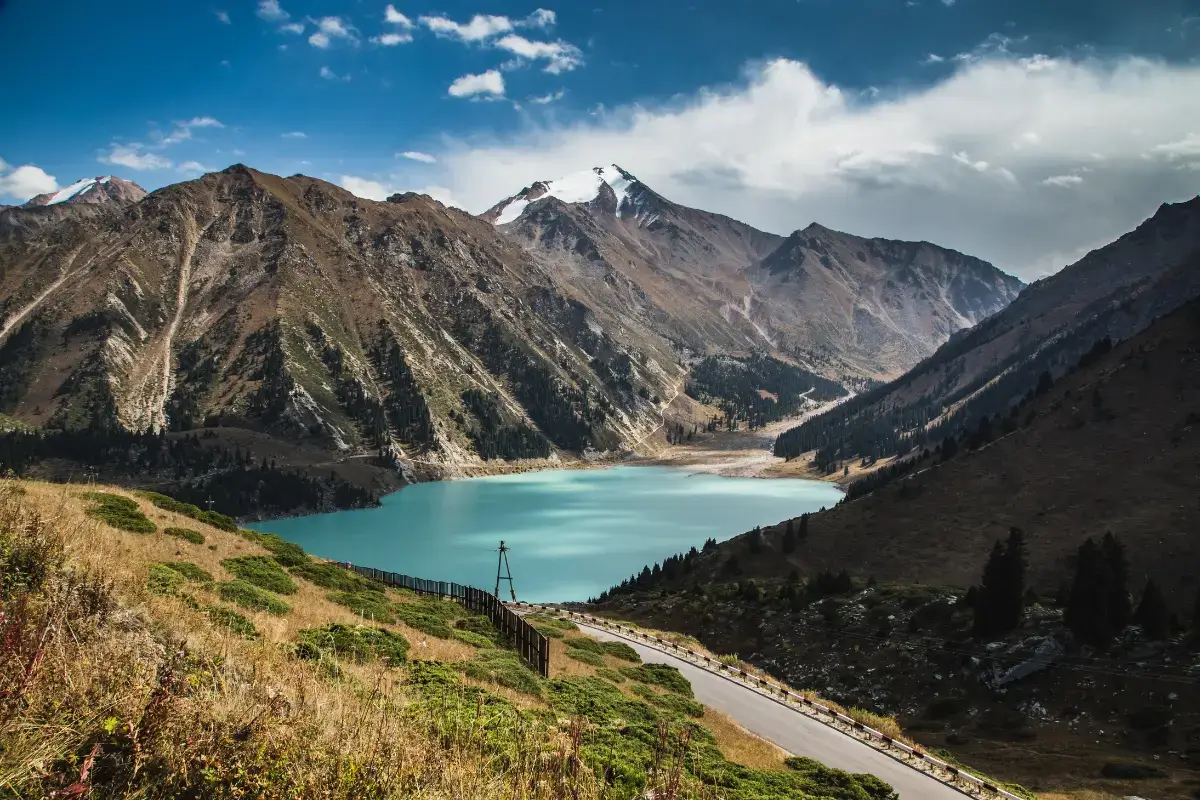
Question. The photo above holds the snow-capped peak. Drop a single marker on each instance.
(102, 189)
(578, 187)
(78, 187)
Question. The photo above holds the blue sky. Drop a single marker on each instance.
(970, 123)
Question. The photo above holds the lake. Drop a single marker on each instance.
(572, 533)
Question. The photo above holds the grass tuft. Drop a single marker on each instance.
(120, 512)
(353, 642)
(615, 649)
(187, 534)
(663, 675)
(504, 667)
(167, 503)
(232, 621)
(368, 605)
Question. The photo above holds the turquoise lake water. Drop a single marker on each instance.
(573, 533)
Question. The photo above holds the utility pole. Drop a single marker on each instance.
(209, 503)
(502, 564)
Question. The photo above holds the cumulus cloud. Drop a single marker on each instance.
(329, 29)
(424, 158)
(390, 14)
(545, 99)
(542, 18)
(133, 156)
(481, 26)
(785, 148)
(194, 168)
(183, 130)
(371, 189)
(292, 27)
(560, 56)
(25, 182)
(933, 58)
(223, 16)
(392, 39)
(330, 75)
(490, 83)
(271, 11)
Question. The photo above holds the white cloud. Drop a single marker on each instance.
(481, 26)
(392, 39)
(378, 190)
(1063, 181)
(393, 16)
(933, 58)
(183, 130)
(271, 11)
(785, 148)
(424, 158)
(223, 16)
(294, 135)
(292, 27)
(194, 167)
(488, 83)
(330, 28)
(545, 99)
(542, 18)
(560, 56)
(25, 182)
(133, 156)
(330, 75)
(948, 3)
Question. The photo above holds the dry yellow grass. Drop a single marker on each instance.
(738, 744)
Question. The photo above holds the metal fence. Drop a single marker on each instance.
(532, 646)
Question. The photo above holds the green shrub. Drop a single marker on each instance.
(353, 642)
(247, 595)
(610, 675)
(289, 554)
(120, 512)
(1130, 771)
(188, 510)
(369, 605)
(662, 675)
(615, 649)
(187, 534)
(442, 609)
(474, 639)
(331, 576)
(820, 776)
(551, 627)
(412, 615)
(232, 621)
(164, 580)
(190, 571)
(481, 626)
(586, 656)
(680, 706)
(505, 668)
(261, 571)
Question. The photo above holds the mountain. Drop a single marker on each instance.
(88, 197)
(1112, 292)
(292, 309)
(836, 304)
(104, 189)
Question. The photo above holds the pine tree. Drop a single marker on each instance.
(789, 538)
(1000, 599)
(1089, 606)
(1120, 607)
(1153, 614)
(985, 602)
(802, 534)
(754, 542)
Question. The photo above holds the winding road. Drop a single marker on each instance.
(788, 728)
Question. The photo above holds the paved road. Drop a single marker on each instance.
(790, 729)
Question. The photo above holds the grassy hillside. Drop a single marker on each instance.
(148, 653)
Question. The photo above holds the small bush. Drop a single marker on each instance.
(247, 595)
(217, 521)
(188, 510)
(481, 626)
(615, 649)
(474, 639)
(369, 605)
(586, 656)
(190, 571)
(120, 512)
(416, 617)
(503, 667)
(662, 675)
(680, 706)
(331, 576)
(232, 621)
(550, 627)
(261, 571)
(353, 642)
(289, 554)
(1130, 771)
(164, 580)
(610, 675)
(187, 534)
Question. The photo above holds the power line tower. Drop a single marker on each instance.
(502, 565)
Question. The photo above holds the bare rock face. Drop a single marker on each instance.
(84, 199)
(835, 303)
(104, 189)
(288, 306)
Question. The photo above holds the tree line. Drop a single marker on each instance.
(757, 389)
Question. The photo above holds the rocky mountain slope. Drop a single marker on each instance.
(1113, 292)
(92, 191)
(85, 198)
(837, 304)
(290, 307)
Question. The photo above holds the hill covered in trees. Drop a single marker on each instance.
(757, 389)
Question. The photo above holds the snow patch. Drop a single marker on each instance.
(62, 195)
(578, 187)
